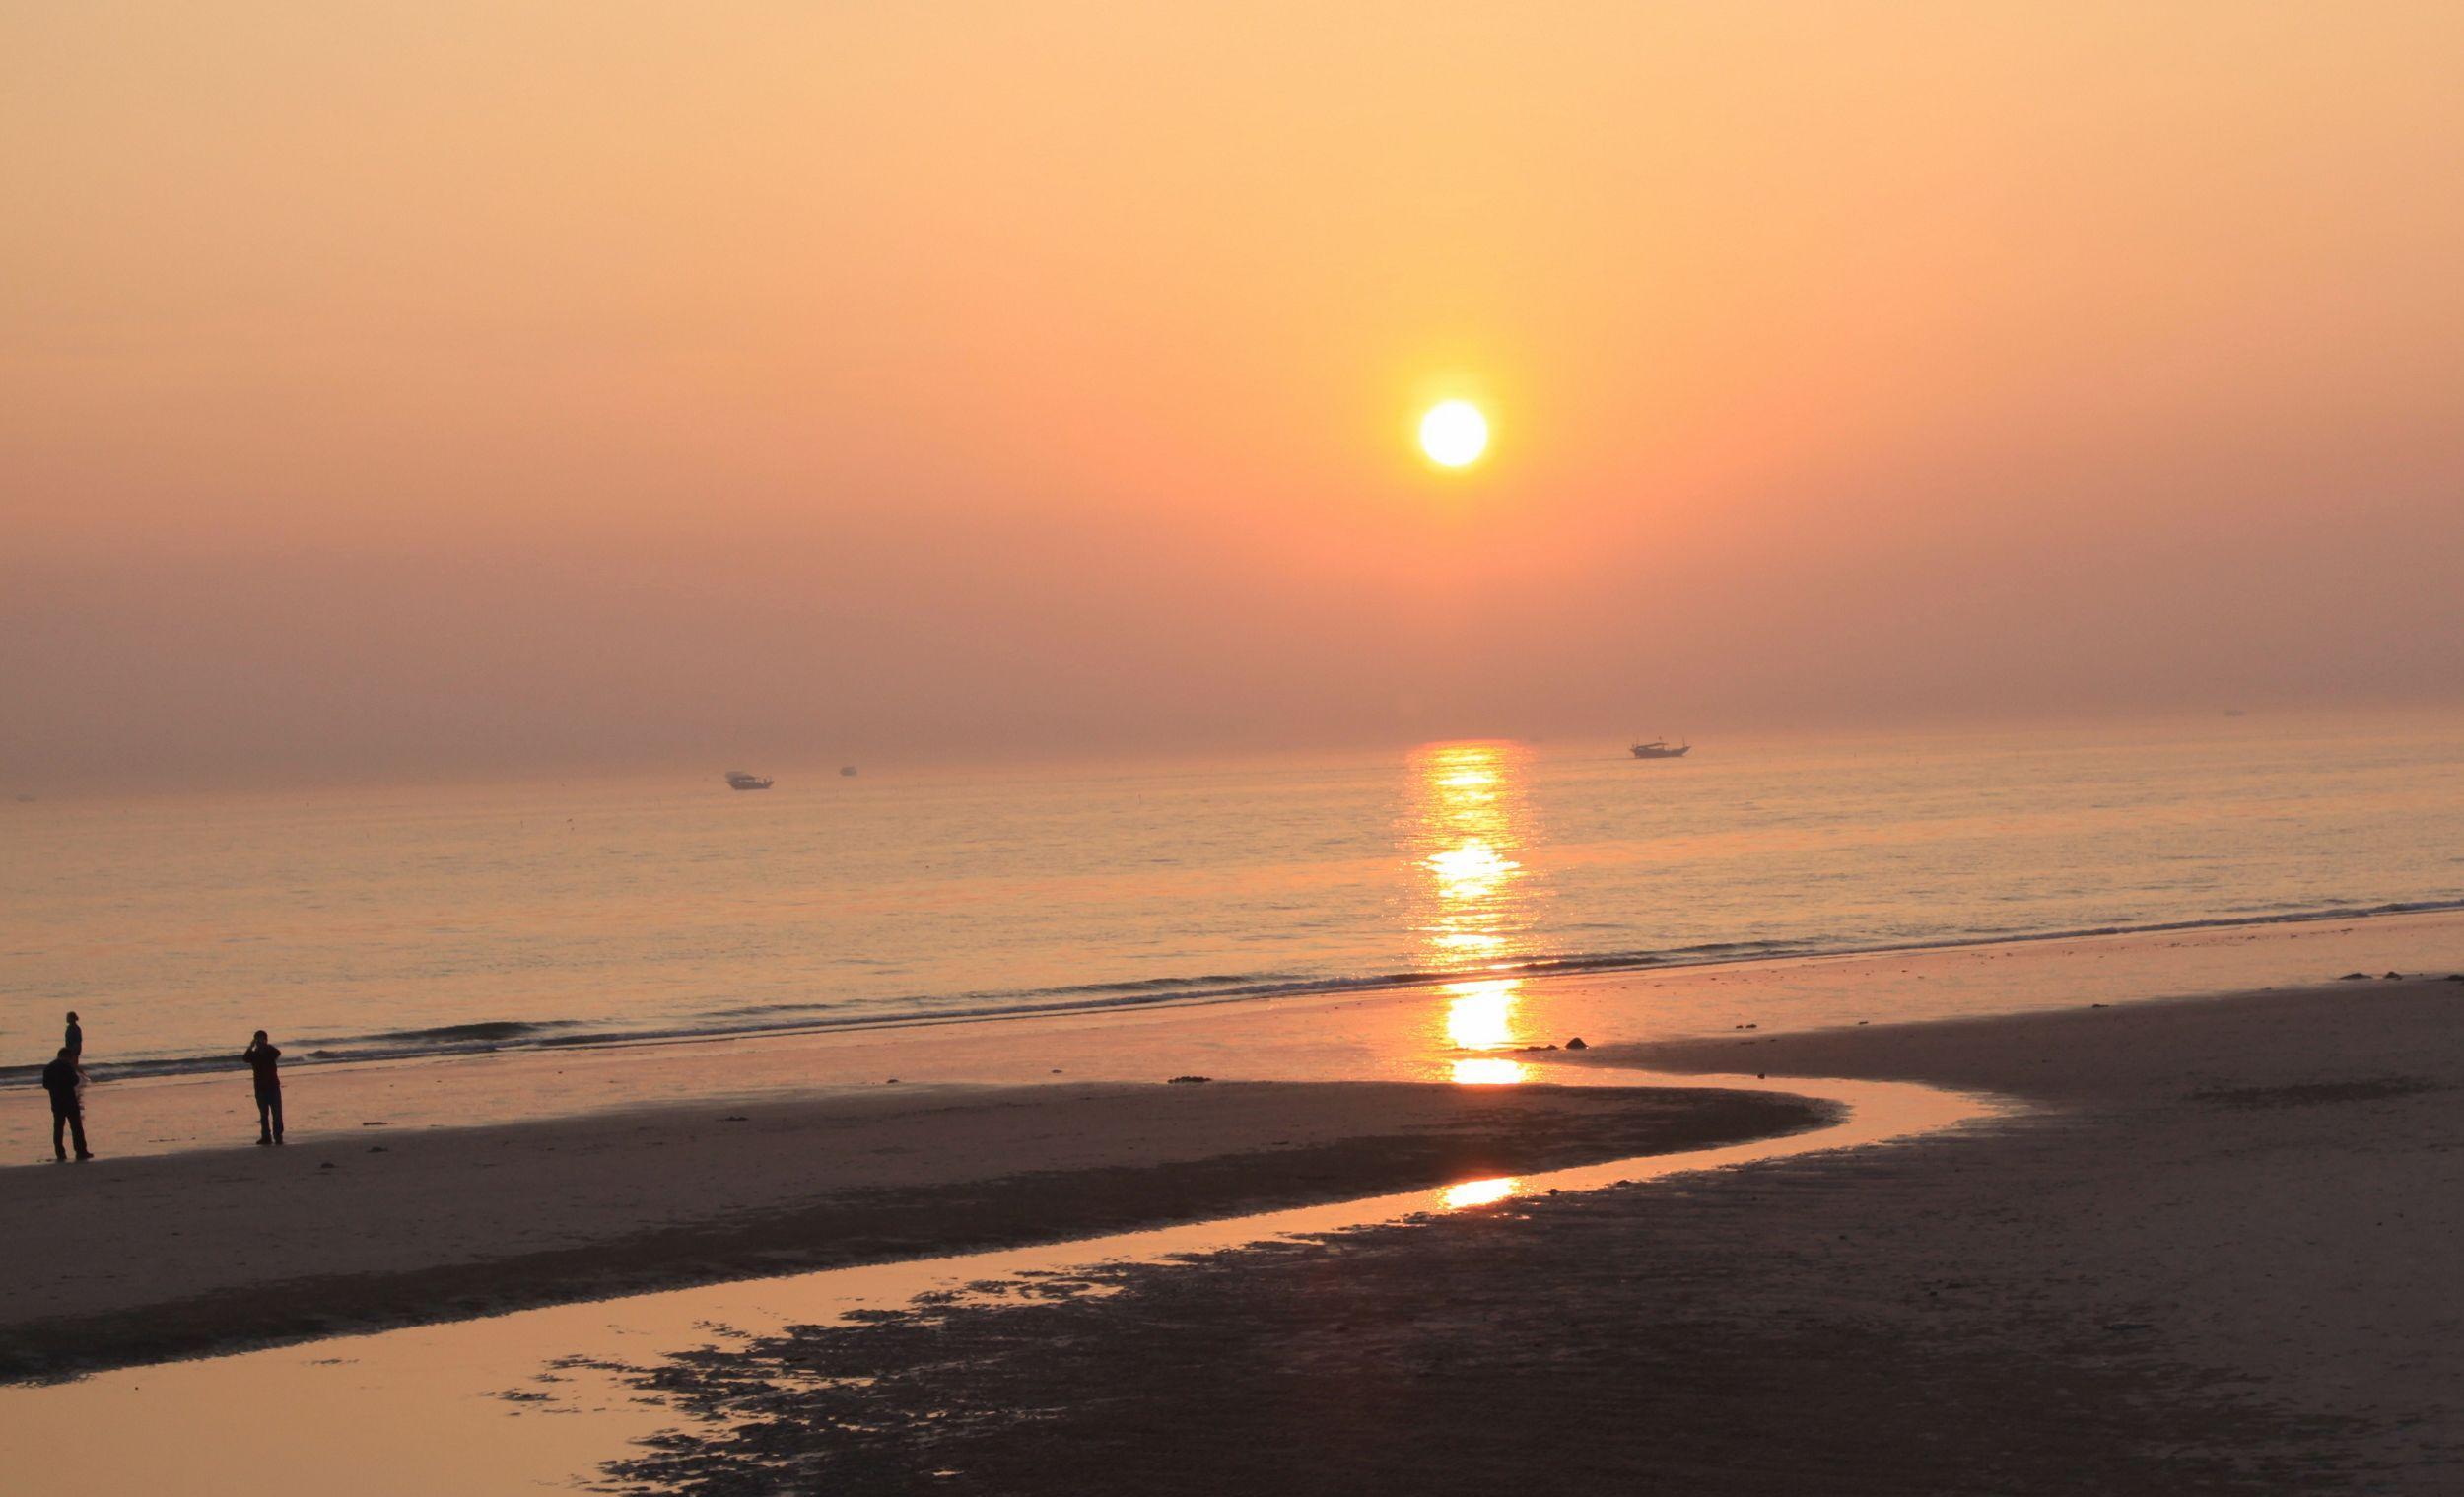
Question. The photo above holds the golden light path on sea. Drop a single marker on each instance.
(1467, 822)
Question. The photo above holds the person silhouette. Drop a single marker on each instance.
(60, 1079)
(261, 1059)
(75, 1039)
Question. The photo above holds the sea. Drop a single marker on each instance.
(411, 920)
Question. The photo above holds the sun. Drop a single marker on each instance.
(1454, 432)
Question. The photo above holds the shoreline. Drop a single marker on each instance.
(312, 1241)
(507, 1039)
(1392, 1034)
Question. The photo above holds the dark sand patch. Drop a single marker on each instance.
(2313, 1093)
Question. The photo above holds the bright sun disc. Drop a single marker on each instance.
(1454, 432)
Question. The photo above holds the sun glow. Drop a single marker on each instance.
(1454, 433)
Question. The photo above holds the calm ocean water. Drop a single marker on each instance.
(404, 920)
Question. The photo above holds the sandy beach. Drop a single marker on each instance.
(145, 1258)
(2215, 1256)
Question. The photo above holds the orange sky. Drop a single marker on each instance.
(440, 386)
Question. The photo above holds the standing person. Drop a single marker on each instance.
(261, 1059)
(73, 1044)
(59, 1078)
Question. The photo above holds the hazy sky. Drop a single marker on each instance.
(441, 386)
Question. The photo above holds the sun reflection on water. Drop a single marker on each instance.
(1477, 1192)
(1467, 825)
(1470, 872)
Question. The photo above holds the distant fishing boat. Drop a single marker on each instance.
(1659, 748)
(738, 780)
(847, 769)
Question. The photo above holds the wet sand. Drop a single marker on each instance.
(2216, 1256)
(137, 1259)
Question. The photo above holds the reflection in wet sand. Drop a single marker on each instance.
(552, 1397)
(1477, 1192)
(1489, 1072)
(827, 1375)
(1480, 1015)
